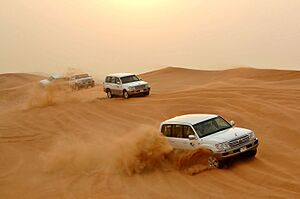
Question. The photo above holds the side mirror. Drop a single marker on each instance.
(192, 137)
(232, 123)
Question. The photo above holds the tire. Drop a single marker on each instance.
(213, 162)
(147, 93)
(109, 94)
(125, 94)
(251, 153)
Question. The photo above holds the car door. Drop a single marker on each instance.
(186, 142)
(167, 130)
(180, 137)
(174, 135)
(113, 86)
(107, 84)
(119, 89)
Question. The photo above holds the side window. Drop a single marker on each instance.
(187, 130)
(108, 79)
(167, 130)
(113, 80)
(118, 80)
(177, 131)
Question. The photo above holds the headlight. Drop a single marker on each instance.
(223, 146)
(251, 136)
(131, 88)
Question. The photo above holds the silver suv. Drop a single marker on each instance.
(125, 84)
(212, 132)
(79, 81)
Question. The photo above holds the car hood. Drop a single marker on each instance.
(44, 82)
(226, 135)
(137, 83)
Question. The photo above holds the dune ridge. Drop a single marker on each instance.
(86, 146)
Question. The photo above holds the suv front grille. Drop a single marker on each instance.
(140, 87)
(239, 141)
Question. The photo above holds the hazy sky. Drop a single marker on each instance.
(103, 36)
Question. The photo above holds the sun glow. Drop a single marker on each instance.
(138, 4)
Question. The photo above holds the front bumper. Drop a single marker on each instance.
(237, 150)
(136, 92)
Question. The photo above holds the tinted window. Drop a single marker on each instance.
(108, 79)
(118, 80)
(187, 130)
(81, 76)
(128, 79)
(177, 131)
(113, 80)
(167, 130)
(211, 126)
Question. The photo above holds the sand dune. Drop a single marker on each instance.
(63, 144)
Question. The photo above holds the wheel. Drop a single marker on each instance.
(108, 93)
(147, 93)
(252, 153)
(213, 162)
(125, 94)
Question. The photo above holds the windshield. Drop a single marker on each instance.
(211, 126)
(128, 79)
(81, 76)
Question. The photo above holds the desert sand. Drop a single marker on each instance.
(63, 144)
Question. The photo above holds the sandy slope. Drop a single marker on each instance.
(62, 144)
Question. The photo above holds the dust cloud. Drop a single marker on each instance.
(147, 152)
(40, 97)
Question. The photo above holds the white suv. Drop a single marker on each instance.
(81, 81)
(125, 84)
(211, 132)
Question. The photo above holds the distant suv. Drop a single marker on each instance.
(211, 132)
(125, 84)
(81, 81)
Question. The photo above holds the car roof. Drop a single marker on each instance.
(121, 74)
(190, 118)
